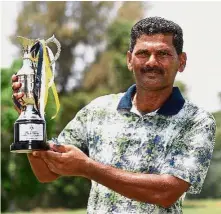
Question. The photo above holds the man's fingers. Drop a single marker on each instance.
(31, 156)
(52, 159)
(58, 148)
(14, 78)
(51, 162)
(16, 86)
(48, 155)
(18, 95)
(52, 167)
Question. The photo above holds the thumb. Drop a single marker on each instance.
(58, 148)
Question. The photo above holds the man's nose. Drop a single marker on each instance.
(152, 60)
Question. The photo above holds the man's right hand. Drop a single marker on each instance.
(15, 87)
(41, 170)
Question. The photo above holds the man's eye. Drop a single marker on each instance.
(163, 53)
(142, 54)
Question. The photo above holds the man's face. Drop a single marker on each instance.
(155, 61)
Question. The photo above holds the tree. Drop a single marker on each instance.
(110, 70)
(77, 24)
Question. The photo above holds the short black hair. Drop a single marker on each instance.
(155, 25)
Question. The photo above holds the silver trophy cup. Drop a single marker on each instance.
(30, 127)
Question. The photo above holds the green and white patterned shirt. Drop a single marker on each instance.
(177, 139)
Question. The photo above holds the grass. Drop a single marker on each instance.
(54, 211)
(202, 207)
(190, 207)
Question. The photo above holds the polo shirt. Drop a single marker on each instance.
(177, 139)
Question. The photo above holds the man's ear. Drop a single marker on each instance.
(182, 61)
(129, 57)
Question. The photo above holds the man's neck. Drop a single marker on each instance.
(148, 100)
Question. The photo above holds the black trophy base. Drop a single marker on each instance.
(29, 136)
(28, 147)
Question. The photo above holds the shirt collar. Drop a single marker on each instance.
(172, 105)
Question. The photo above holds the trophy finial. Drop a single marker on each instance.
(25, 42)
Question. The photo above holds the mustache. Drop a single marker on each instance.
(153, 69)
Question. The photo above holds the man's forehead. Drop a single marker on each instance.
(163, 40)
(157, 36)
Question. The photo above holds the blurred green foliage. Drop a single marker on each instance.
(74, 23)
(17, 177)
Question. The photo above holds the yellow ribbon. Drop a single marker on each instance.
(48, 77)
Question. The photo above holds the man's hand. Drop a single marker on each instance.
(68, 160)
(65, 160)
(15, 87)
(40, 168)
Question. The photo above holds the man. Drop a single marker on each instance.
(146, 147)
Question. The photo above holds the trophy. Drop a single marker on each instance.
(36, 76)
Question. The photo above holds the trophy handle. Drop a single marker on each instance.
(54, 40)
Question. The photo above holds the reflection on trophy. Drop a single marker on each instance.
(37, 77)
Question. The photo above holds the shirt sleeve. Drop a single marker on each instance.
(75, 133)
(189, 156)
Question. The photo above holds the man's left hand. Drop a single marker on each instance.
(65, 160)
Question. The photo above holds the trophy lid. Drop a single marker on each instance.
(26, 43)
